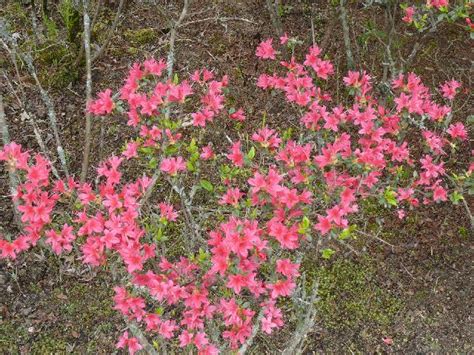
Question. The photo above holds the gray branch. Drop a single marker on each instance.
(87, 49)
(13, 179)
(346, 34)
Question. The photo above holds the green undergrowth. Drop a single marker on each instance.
(353, 303)
(70, 316)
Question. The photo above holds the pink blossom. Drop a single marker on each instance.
(409, 12)
(103, 105)
(167, 212)
(173, 165)
(457, 130)
(265, 50)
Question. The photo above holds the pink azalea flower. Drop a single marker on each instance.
(173, 165)
(265, 50)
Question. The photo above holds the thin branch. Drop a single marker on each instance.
(170, 65)
(13, 179)
(468, 211)
(12, 54)
(44, 94)
(194, 228)
(26, 116)
(110, 33)
(51, 112)
(137, 333)
(149, 190)
(245, 346)
(272, 6)
(417, 45)
(87, 49)
(306, 323)
(217, 19)
(170, 61)
(346, 34)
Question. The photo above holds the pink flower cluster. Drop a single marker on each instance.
(295, 190)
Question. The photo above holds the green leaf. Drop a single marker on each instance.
(175, 78)
(304, 225)
(327, 253)
(287, 134)
(190, 166)
(202, 256)
(346, 233)
(390, 197)
(192, 148)
(159, 235)
(251, 153)
(455, 197)
(171, 149)
(206, 185)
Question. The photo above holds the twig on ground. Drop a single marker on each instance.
(217, 19)
(376, 237)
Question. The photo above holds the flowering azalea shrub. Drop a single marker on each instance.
(244, 213)
(421, 16)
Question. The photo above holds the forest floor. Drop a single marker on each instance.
(414, 293)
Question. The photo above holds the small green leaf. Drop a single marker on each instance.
(390, 197)
(346, 233)
(327, 253)
(455, 197)
(251, 153)
(206, 185)
(192, 148)
(190, 166)
(153, 163)
(304, 225)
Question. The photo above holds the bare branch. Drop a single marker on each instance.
(4, 33)
(170, 61)
(272, 6)
(345, 31)
(306, 323)
(245, 346)
(110, 33)
(87, 49)
(137, 333)
(170, 64)
(13, 179)
(29, 118)
(51, 112)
